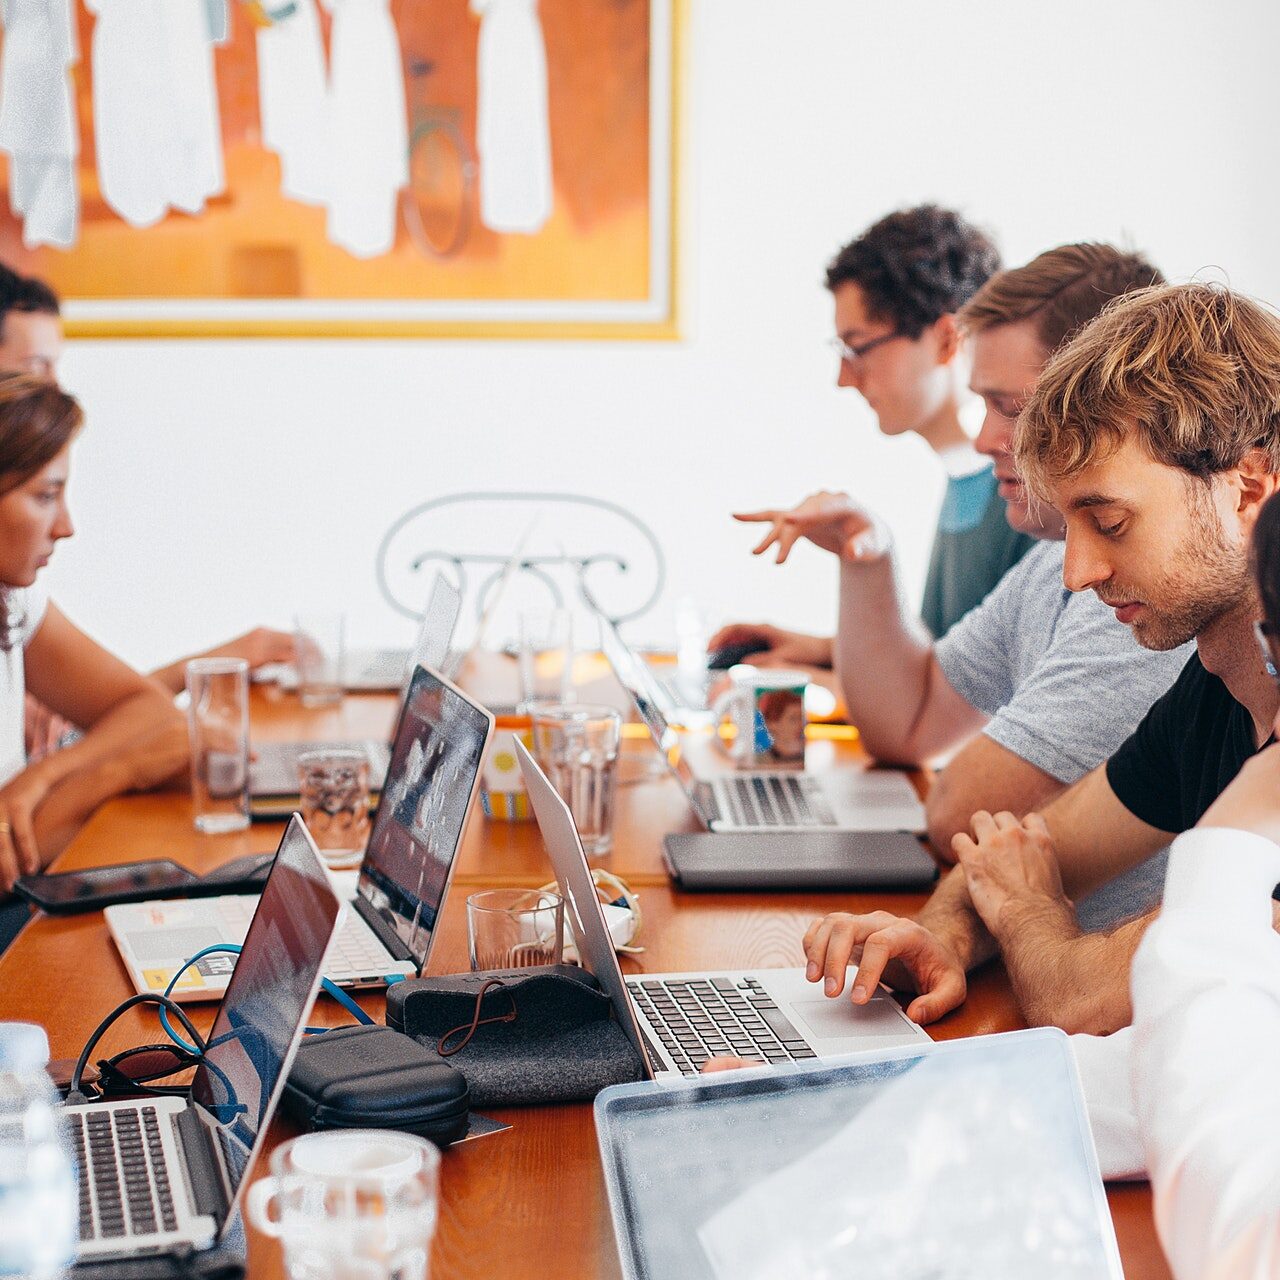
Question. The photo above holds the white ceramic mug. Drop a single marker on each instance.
(350, 1205)
(767, 710)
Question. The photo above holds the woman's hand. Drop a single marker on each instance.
(42, 729)
(20, 797)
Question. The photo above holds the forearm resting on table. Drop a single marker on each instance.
(882, 660)
(1064, 978)
(983, 775)
(950, 917)
(141, 746)
(126, 729)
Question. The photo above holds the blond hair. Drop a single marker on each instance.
(1192, 369)
(1060, 291)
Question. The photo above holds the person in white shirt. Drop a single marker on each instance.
(1205, 1049)
(134, 737)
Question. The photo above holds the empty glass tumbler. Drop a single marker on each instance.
(577, 747)
(333, 796)
(515, 928)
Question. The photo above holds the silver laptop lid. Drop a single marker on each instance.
(966, 1158)
(435, 632)
(260, 1021)
(431, 784)
(646, 693)
(581, 903)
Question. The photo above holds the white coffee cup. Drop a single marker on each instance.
(767, 710)
(350, 1205)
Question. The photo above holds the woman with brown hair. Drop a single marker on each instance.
(133, 736)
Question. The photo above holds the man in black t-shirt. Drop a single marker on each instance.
(1156, 433)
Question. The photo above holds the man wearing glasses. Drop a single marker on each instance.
(1035, 686)
(1157, 432)
(896, 290)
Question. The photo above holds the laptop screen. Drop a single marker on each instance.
(642, 686)
(269, 995)
(964, 1158)
(435, 761)
(435, 632)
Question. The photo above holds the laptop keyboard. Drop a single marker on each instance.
(699, 1018)
(124, 1181)
(773, 801)
(354, 953)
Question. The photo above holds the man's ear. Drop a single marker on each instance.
(949, 338)
(1256, 481)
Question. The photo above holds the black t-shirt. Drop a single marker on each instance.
(1187, 749)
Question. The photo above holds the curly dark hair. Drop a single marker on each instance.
(916, 265)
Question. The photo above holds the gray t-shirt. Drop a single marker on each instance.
(1063, 682)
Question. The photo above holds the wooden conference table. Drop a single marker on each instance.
(529, 1201)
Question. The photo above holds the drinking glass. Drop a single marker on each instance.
(546, 656)
(577, 747)
(319, 651)
(514, 928)
(351, 1205)
(218, 722)
(333, 795)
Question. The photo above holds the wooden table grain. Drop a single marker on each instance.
(529, 1201)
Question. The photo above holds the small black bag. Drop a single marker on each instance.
(544, 1034)
(375, 1078)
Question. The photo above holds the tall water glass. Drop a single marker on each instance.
(577, 746)
(351, 1205)
(218, 721)
(320, 641)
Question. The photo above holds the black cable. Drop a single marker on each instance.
(75, 1094)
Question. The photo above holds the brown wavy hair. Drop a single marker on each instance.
(37, 420)
(1192, 369)
(1061, 290)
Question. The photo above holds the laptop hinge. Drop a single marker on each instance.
(203, 1163)
(706, 798)
(385, 934)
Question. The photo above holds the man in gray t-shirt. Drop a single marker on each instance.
(1035, 686)
(1031, 649)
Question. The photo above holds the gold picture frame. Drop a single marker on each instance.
(606, 266)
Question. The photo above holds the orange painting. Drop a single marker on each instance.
(595, 266)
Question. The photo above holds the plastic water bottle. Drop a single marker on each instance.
(39, 1213)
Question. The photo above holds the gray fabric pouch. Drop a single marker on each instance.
(562, 1044)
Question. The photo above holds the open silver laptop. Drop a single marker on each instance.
(677, 1021)
(436, 755)
(967, 1158)
(274, 771)
(846, 798)
(165, 1174)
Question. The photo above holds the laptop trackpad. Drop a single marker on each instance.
(840, 1019)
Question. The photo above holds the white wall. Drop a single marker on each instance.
(224, 483)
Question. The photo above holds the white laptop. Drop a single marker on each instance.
(273, 773)
(969, 1158)
(845, 798)
(676, 1021)
(165, 1174)
(436, 756)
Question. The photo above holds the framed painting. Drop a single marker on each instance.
(388, 168)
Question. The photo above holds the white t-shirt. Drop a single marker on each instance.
(25, 607)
